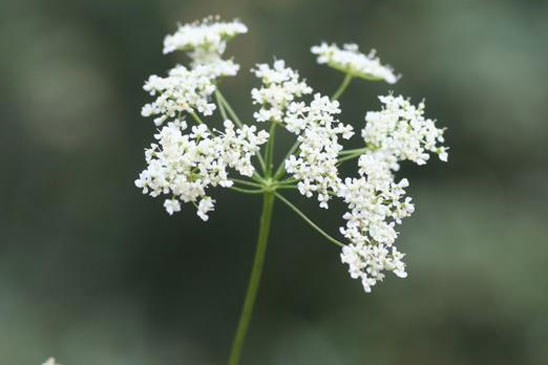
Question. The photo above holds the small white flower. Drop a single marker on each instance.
(206, 205)
(172, 206)
(51, 361)
(351, 61)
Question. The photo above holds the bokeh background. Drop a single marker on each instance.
(93, 272)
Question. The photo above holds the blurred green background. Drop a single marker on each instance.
(93, 272)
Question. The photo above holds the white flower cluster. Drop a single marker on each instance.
(350, 60)
(370, 227)
(401, 129)
(318, 131)
(209, 34)
(182, 90)
(185, 165)
(190, 89)
(315, 124)
(185, 162)
(375, 201)
(281, 85)
(205, 42)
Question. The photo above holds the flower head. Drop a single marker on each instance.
(376, 202)
(183, 90)
(209, 35)
(318, 131)
(351, 61)
(314, 123)
(401, 130)
(186, 161)
(280, 86)
(185, 165)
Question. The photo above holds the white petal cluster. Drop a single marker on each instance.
(280, 86)
(182, 90)
(185, 162)
(350, 60)
(185, 165)
(318, 132)
(205, 37)
(401, 129)
(189, 89)
(368, 262)
(370, 227)
(376, 203)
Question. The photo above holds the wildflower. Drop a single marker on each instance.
(186, 161)
(351, 61)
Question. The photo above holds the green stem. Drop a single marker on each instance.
(349, 157)
(281, 169)
(254, 280)
(343, 87)
(220, 105)
(247, 191)
(231, 111)
(269, 153)
(278, 187)
(355, 150)
(196, 118)
(307, 220)
(248, 183)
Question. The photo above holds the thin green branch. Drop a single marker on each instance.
(281, 187)
(256, 177)
(281, 169)
(247, 191)
(222, 109)
(246, 182)
(196, 118)
(269, 153)
(349, 157)
(290, 180)
(231, 111)
(355, 150)
(254, 280)
(307, 220)
(342, 87)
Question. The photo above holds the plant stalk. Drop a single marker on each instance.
(342, 88)
(254, 280)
